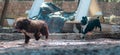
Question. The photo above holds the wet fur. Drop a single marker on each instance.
(37, 27)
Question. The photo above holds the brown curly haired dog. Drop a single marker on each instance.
(37, 27)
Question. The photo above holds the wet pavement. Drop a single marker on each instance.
(102, 42)
(60, 46)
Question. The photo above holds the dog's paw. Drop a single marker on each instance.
(82, 36)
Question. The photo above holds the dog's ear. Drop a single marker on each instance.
(83, 17)
(26, 22)
(98, 17)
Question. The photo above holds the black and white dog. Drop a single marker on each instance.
(89, 25)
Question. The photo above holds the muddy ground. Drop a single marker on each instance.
(60, 44)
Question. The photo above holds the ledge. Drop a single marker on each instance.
(61, 36)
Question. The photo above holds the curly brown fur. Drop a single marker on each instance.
(36, 27)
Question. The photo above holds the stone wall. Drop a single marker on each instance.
(110, 8)
(17, 9)
(1, 7)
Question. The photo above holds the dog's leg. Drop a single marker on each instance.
(100, 27)
(82, 36)
(27, 38)
(95, 28)
(44, 31)
(47, 36)
(37, 35)
(83, 30)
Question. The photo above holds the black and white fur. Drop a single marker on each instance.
(89, 25)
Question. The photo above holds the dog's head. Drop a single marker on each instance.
(84, 20)
(21, 23)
